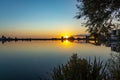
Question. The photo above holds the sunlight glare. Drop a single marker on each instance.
(66, 43)
(66, 36)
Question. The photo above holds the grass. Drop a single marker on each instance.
(114, 66)
(82, 69)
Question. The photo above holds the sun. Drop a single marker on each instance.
(66, 36)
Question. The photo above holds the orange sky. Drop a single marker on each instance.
(38, 33)
(36, 19)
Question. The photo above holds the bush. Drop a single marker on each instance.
(114, 66)
(80, 69)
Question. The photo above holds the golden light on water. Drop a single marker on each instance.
(66, 43)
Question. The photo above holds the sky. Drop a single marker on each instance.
(39, 18)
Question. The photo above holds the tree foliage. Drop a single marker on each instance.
(99, 14)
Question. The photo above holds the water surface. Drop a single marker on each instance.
(30, 60)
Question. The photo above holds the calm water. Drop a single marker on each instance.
(30, 60)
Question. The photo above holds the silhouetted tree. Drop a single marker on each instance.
(99, 15)
(3, 37)
(71, 38)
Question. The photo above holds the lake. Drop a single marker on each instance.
(35, 59)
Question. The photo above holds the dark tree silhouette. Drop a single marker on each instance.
(99, 15)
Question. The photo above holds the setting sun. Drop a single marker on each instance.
(66, 36)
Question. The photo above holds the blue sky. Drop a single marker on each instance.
(38, 18)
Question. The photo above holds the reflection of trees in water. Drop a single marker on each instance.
(114, 66)
(115, 45)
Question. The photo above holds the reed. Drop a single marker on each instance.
(80, 69)
(83, 69)
(114, 66)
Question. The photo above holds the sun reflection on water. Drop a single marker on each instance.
(66, 43)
